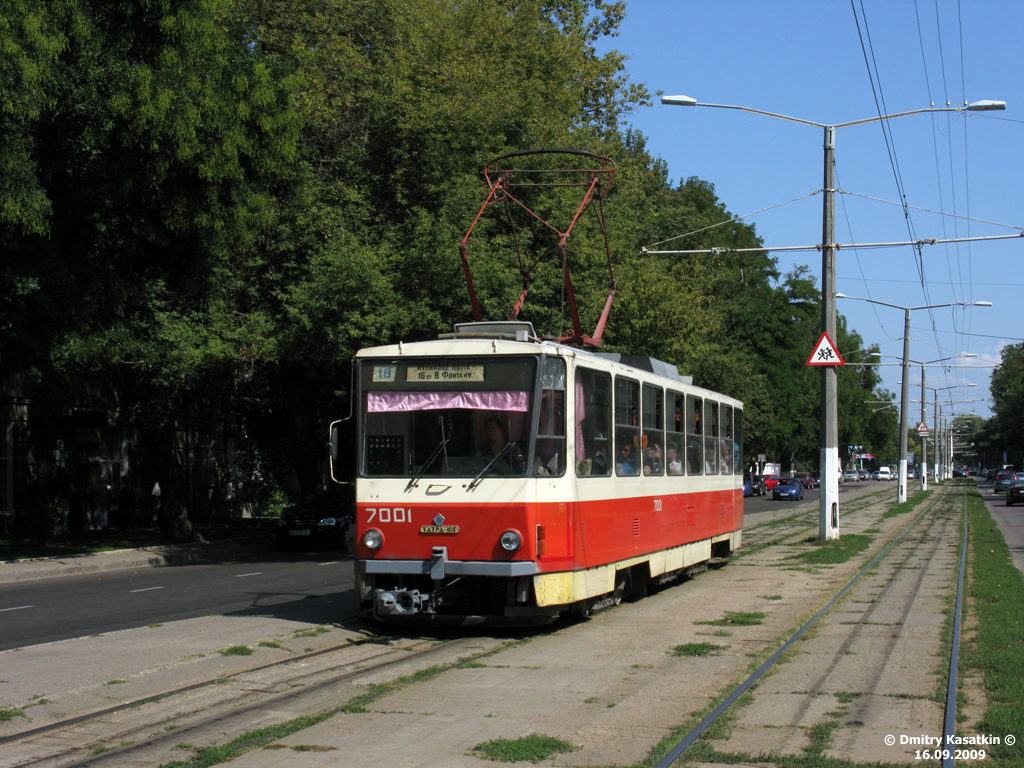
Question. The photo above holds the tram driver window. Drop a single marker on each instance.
(593, 398)
(549, 452)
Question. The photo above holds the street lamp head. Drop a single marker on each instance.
(981, 303)
(986, 105)
(681, 101)
(840, 295)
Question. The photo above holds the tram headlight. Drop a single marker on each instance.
(511, 541)
(373, 539)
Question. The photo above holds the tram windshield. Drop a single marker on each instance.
(449, 417)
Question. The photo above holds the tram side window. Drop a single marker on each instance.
(627, 429)
(653, 430)
(737, 443)
(726, 414)
(694, 436)
(593, 422)
(710, 438)
(549, 457)
(675, 437)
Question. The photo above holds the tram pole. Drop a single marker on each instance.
(829, 468)
(828, 510)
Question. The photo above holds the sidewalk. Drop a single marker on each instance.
(170, 554)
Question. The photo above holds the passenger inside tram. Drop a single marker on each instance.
(675, 465)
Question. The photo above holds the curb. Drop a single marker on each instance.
(125, 559)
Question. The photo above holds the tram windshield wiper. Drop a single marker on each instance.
(430, 459)
(505, 450)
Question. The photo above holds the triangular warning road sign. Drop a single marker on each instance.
(825, 353)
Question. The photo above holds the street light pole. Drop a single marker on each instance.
(828, 505)
(901, 491)
(829, 468)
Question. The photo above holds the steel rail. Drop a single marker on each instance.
(949, 725)
(676, 752)
(176, 691)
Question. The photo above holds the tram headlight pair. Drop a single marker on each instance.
(373, 539)
(511, 541)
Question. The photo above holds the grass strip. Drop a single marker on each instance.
(997, 591)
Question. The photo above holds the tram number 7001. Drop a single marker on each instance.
(389, 514)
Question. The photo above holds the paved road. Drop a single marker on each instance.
(261, 584)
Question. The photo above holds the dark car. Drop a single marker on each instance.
(753, 485)
(788, 488)
(1015, 493)
(1004, 479)
(809, 480)
(318, 521)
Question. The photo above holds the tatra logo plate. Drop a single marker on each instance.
(439, 529)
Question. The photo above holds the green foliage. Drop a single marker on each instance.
(998, 594)
(221, 201)
(1006, 432)
(528, 749)
(835, 551)
(697, 649)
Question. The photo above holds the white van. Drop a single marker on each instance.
(884, 473)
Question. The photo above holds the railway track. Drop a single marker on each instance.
(269, 698)
(835, 697)
(848, 657)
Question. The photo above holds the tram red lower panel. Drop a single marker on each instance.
(559, 536)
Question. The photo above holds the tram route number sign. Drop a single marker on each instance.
(825, 353)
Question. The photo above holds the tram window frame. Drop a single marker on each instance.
(652, 435)
(627, 430)
(725, 415)
(593, 422)
(549, 444)
(737, 420)
(694, 435)
(711, 434)
(675, 431)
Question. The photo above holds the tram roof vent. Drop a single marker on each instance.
(516, 330)
(649, 364)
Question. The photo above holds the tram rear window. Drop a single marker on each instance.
(433, 418)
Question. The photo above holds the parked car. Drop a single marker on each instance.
(320, 520)
(770, 481)
(1015, 493)
(1004, 479)
(809, 480)
(753, 485)
(851, 476)
(788, 488)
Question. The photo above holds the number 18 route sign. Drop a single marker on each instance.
(825, 353)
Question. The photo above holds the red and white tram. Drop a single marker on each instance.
(505, 478)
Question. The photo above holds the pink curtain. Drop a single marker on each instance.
(387, 402)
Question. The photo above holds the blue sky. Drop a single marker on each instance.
(958, 173)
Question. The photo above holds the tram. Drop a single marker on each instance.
(502, 477)
(506, 478)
